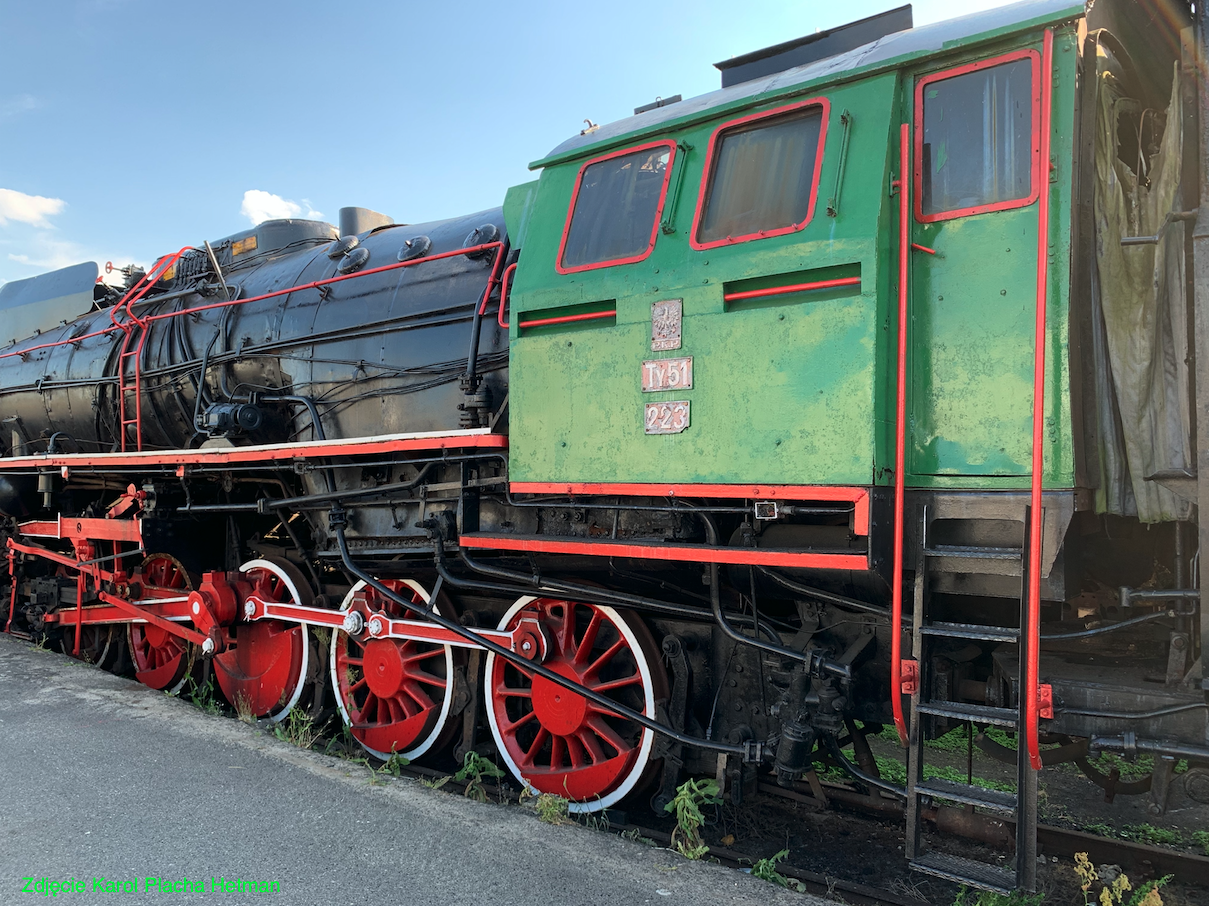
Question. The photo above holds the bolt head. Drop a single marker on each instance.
(375, 627)
(208, 646)
(196, 608)
(249, 609)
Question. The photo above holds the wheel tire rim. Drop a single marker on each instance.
(386, 689)
(555, 740)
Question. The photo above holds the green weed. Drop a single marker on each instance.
(298, 729)
(766, 870)
(634, 835)
(1145, 833)
(967, 897)
(474, 771)
(686, 806)
(203, 698)
(1201, 839)
(552, 809)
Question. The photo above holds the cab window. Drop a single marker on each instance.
(761, 176)
(614, 213)
(975, 141)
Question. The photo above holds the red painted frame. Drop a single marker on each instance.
(858, 497)
(613, 262)
(1035, 191)
(823, 104)
(261, 453)
(683, 553)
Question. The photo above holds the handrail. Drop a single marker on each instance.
(487, 246)
(508, 272)
(900, 433)
(1032, 692)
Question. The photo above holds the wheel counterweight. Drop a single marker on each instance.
(264, 669)
(161, 660)
(395, 695)
(553, 739)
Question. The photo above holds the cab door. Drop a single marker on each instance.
(975, 152)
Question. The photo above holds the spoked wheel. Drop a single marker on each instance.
(555, 740)
(394, 695)
(98, 644)
(264, 669)
(161, 660)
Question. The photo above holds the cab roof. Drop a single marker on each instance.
(884, 53)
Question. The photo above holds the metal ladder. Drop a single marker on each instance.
(130, 397)
(1020, 806)
(130, 392)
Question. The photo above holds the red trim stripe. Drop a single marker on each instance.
(824, 493)
(683, 553)
(363, 446)
(796, 288)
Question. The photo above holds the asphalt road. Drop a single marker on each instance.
(106, 779)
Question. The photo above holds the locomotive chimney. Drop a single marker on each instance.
(361, 220)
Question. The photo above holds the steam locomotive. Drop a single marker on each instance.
(868, 390)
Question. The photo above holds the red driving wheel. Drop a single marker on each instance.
(161, 660)
(394, 694)
(556, 740)
(263, 669)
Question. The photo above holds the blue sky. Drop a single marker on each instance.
(129, 128)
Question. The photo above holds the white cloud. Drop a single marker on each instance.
(19, 104)
(31, 209)
(259, 206)
(311, 213)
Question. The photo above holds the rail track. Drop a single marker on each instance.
(1136, 859)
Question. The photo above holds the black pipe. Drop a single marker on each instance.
(476, 324)
(827, 596)
(815, 663)
(1134, 715)
(1101, 630)
(1149, 747)
(294, 502)
(834, 750)
(522, 663)
(584, 593)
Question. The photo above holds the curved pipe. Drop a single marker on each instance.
(815, 662)
(834, 750)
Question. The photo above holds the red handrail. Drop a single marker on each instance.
(508, 272)
(796, 288)
(900, 433)
(281, 292)
(1033, 618)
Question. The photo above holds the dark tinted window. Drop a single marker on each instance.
(616, 207)
(978, 138)
(762, 177)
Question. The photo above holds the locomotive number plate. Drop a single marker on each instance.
(667, 374)
(667, 418)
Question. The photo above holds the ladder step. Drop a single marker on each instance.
(973, 553)
(967, 871)
(984, 714)
(972, 631)
(996, 800)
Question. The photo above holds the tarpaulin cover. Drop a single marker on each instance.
(1140, 341)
